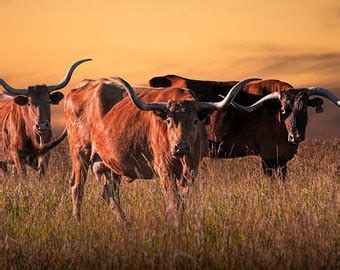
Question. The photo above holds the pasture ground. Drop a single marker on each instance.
(235, 218)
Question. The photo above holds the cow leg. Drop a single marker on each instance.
(79, 174)
(267, 168)
(187, 179)
(183, 187)
(274, 168)
(3, 166)
(111, 194)
(183, 190)
(175, 206)
(4, 169)
(111, 186)
(20, 168)
(99, 169)
(282, 171)
(42, 164)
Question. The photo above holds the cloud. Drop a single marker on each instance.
(291, 63)
(296, 66)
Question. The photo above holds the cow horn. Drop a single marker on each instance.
(67, 77)
(138, 103)
(318, 91)
(12, 91)
(258, 104)
(220, 106)
(48, 146)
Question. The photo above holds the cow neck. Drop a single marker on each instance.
(159, 139)
(36, 138)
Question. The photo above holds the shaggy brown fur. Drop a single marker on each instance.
(107, 130)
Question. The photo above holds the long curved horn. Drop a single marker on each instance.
(258, 104)
(220, 106)
(67, 77)
(318, 91)
(138, 103)
(48, 146)
(12, 91)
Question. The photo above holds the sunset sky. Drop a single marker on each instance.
(294, 41)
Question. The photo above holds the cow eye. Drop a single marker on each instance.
(195, 122)
(168, 121)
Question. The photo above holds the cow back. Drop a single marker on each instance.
(233, 133)
(102, 120)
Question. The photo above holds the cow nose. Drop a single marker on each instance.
(182, 148)
(299, 138)
(295, 138)
(291, 137)
(43, 126)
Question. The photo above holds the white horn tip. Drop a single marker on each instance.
(338, 103)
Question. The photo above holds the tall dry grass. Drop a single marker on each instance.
(235, 218)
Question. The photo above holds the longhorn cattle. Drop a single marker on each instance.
(147, 134)
(25, 122)
(274, 127)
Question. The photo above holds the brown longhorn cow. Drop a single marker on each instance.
(25, 123)
(274, 127)
(157, 134)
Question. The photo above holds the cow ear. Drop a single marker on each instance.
(315, 102)
(168, 81)
(56, 97)
(274, 105)
(21, 100)
(161, 114)
(160, 82)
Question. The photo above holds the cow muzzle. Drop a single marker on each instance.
(181, 149)
(43, 127)
(295, 138)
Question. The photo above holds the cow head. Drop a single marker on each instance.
(38, 99)
(183, 118)
(183, 121)
(293, 108)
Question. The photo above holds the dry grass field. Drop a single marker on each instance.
(235, 219)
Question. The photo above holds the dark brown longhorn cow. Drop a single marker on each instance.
(272, 129)
(25, 123)
(137, 133)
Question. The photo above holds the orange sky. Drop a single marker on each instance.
(295, 41)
